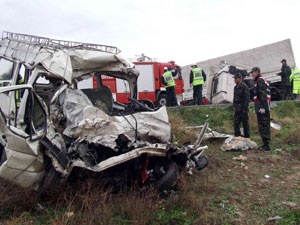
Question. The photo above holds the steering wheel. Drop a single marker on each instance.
(140, 105)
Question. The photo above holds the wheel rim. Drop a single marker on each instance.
(162, 102)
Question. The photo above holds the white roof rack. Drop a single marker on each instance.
(57, 44)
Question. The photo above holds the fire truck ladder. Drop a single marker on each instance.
(58, 44)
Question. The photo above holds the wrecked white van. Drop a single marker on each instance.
(51, 130)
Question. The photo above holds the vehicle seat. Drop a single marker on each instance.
(101, 98)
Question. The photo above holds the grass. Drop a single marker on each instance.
(225, 192)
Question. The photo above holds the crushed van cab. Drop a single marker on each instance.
(51, 130)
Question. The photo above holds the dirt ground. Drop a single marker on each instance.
(255, 187)
(249, 187)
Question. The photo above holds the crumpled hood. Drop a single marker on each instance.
(95, 126)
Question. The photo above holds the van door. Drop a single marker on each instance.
(21, 126)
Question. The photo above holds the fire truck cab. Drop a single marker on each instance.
(149, 83)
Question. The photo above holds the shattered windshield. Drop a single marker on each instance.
(6, 69)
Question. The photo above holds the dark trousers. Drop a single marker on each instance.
(241, 117)
(286, 92)
(197, 94)
(263, 121)
(171, 96)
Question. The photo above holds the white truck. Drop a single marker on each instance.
(219, 84)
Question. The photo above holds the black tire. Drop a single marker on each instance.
(51, 178)
(202, 162)
(191, 102)
(168, 177)
(162, 100)
(2, 155)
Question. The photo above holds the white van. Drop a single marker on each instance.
(51, 130)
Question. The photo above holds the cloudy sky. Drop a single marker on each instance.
(186, 31)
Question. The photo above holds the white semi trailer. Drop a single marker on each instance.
(219, 85)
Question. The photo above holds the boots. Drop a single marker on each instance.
(266, 146)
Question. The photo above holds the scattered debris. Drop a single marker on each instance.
(238, 144)
(231, 142)
(291, 204)
(275, 218)
(275, 124)
(210, 134)
(39, 207)
(243, 166)
(69, 214)
(240, 158)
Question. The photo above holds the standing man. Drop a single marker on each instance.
(285, 73)
(197, 79)
(19, 93)
(262, 97)
(241, 106)
(167, 79)
(295, 77)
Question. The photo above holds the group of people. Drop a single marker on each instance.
(261, 98)
(290, 83)
(197, 79)
(290, 87)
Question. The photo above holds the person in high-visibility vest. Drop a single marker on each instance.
(167, 79)
(295, 77)
(197, 79)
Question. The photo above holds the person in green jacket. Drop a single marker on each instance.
(168, 81)
(197, 79)
(295, 78)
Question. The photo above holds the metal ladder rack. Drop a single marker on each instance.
(58, 44)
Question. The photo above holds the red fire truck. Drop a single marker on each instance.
(149, 83)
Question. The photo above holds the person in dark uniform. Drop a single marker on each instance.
(167, 79)
(262, 98)
(286, 88)
(197, 79)
(241, 98)
(18, 93)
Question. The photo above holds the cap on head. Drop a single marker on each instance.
(195, 64)
(237, 75)
(165, 68)
(255, 69)
(283, 60)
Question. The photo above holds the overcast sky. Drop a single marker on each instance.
(186, 31)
